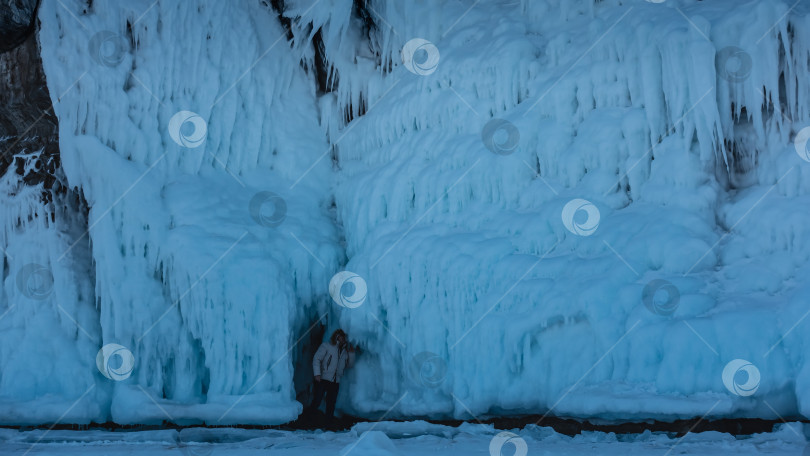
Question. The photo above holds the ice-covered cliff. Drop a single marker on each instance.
(199, 252)
(587, 208)
(669, 125)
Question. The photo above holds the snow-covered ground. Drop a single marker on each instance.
(391, 439)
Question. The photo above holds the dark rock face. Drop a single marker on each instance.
(27, 121)
(17, 22)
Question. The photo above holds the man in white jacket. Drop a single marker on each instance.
(331, 359)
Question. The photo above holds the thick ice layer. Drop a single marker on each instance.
(635, 107)
(200, 240)
(487, 291)
(48, 325)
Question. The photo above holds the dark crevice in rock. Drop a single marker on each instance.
(29, 143)
(27, 121)
(322, 76)
(286, 22)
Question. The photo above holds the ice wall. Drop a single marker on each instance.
(192, 132)
(47, 320)
(513, 193)
(45, 358)
(673, 121)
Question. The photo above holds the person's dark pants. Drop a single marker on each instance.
(331, 390)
